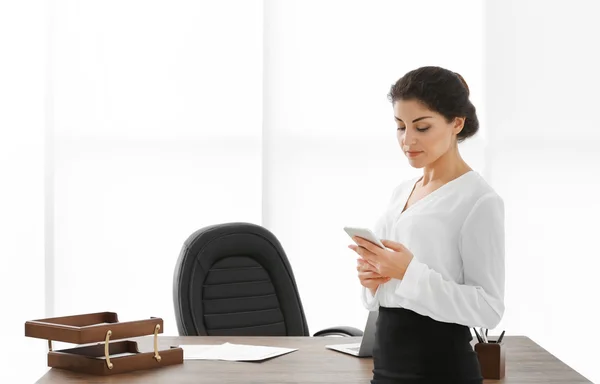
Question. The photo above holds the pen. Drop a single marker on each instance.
(483, 335)
(501, 336)
(477, 334)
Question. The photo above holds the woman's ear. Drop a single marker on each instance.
(459, 124)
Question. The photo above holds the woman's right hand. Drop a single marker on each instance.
(368, 277)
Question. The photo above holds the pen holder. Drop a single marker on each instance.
(491, 359)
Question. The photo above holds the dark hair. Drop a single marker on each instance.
(442, 91)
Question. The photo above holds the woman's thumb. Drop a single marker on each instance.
(393, 245)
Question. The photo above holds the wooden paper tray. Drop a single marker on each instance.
(89, 328)
(124, 356)
(108, 357)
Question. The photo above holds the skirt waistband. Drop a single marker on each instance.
(410, 326)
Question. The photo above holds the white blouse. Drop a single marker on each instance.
(456, 234)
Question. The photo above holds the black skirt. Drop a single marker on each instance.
(411, 348)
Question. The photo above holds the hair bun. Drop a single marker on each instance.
(462, 80)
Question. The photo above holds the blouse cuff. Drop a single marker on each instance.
(409, 285)
(370, 301)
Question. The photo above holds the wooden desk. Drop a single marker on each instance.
(526, 363)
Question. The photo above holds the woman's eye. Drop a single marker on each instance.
(418, 129)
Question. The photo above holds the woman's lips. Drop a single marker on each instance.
(413, 153)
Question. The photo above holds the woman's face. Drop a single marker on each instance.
(424, 135)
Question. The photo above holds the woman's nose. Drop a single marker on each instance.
(409, 139)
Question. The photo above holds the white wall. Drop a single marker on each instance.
(22, 122)
(541, 76)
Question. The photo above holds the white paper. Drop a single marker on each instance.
(232, 352)
(117, 355)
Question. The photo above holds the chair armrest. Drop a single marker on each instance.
(340, 331)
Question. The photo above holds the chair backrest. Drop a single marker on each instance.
(234, 279)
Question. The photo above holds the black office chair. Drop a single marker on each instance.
(234, 279)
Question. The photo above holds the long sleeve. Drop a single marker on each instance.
(369, 301)
(480, 300)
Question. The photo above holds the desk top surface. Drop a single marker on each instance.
(526, 362)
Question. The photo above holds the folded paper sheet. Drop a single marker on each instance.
(232, 352)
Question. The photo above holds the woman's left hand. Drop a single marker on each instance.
(391, 262)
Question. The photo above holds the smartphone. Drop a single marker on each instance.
(365, 233)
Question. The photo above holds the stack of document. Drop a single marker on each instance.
(232, 352)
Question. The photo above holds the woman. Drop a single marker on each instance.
(443, 267)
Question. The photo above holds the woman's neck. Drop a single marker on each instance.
(448, 167)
